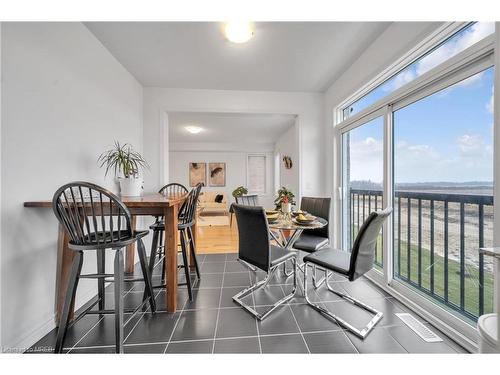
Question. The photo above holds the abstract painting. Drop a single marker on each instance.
(197, 174)
(217, 174)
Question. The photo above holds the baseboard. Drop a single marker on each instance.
(39, 332)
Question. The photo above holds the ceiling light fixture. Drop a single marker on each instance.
(238, 32)
(193, 129)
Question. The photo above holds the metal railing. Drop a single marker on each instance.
(436, 242)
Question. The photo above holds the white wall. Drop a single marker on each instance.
(64, 100)
(236, 166)
(287, 145)
(308, 107)
(393, 43)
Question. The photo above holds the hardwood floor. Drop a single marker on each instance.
(217, 239)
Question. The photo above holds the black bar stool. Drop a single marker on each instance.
(186, 220)
(173, 189)
(97, 220)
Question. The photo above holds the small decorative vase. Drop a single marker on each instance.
(131, 186)
(286, 208)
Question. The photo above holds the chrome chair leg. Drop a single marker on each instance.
(361, 333)
(261, 284)
(249, 266)
(317, 284)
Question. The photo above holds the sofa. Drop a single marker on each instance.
(207, 203)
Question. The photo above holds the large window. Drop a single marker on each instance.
(452, 46)
(443, 183)
(256, 174)
(427, 151)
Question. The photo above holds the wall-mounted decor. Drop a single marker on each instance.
(217, 174)
(197, 174)
(287, 161)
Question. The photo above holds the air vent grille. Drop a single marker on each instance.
(420, 329)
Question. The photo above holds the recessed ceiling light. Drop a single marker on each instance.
(238, 32)
(193, 129)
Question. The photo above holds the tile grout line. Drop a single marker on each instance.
(296, 322)
(209, 339)
(100, 319)
(340, 328)
(218, 310)
(174, 328)
(395, 339)
(85, 335)
(138, 320)
(180, 314)
(255, 307)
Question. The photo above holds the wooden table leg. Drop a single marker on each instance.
(64, 261)
(171, 244)
(130, 253)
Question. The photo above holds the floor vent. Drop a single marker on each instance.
(425, 333)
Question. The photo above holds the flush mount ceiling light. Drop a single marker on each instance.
(238, 32)
(193, 129)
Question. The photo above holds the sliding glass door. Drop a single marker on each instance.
(426, 150)
(443, 195)
(363, 170)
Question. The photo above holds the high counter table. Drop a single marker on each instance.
(153, 204)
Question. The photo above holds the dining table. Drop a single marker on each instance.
(289, 229)
(148, 204)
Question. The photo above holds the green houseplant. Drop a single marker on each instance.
(126, 165)
(239, 191)
(284, 196)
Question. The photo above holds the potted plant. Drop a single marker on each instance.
(285, 199)
(240, 191)
(126, 164)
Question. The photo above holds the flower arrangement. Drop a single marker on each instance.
(284, 194)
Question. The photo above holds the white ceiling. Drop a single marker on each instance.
(282, 56)
(228, 127)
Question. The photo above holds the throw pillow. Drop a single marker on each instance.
(218, 198)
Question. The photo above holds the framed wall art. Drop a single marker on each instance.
(197, 173)
(217, 174)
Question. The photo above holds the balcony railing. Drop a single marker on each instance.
(436, 241)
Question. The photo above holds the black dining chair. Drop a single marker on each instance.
(186, 221)
(314, 239)
(255, 249)
(96, 220)
(247, 200)
(350, 265)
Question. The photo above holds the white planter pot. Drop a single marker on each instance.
(286, 208)
(131, 187)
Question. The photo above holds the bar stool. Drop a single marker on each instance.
(97, 220)
(173, 189)
(186, 220)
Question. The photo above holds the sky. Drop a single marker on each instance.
(447, 136)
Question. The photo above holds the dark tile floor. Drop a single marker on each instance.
(213, 323)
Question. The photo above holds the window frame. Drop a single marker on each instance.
(437, 37)
(472, 60)
(259, 193)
